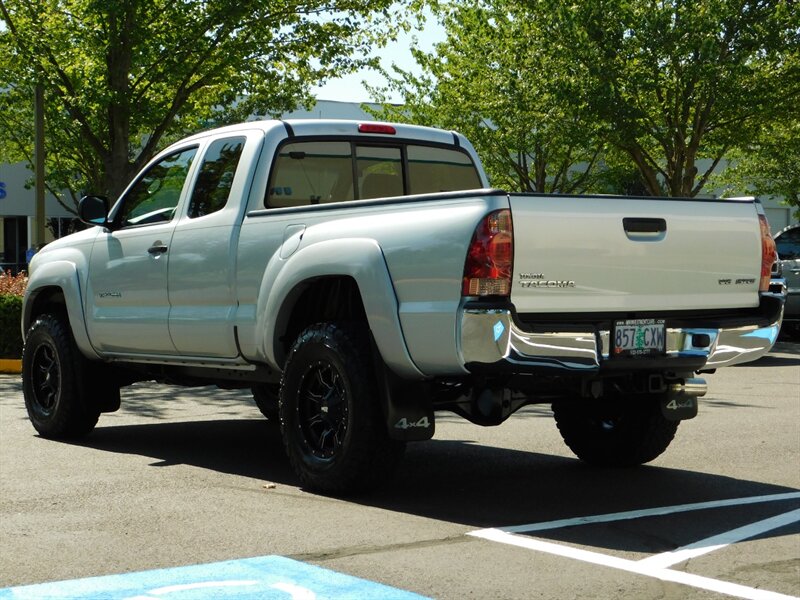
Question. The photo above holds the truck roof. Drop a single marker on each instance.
(341, 127)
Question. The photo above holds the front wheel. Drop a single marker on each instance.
(331, 420)
(266, 398)
(618, 433)
(52, 373)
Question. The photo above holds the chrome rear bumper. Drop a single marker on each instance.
(490, 339)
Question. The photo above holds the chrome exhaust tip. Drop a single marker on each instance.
(680, 401)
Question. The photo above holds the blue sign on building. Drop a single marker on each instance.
(267, 577)
(2, 189)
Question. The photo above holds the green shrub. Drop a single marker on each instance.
(12, 287)
(10, 317)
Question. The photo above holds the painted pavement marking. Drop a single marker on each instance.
(657, 566)
(266, 577)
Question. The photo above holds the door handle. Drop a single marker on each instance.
(157, 248)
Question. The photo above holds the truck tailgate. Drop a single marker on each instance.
(608, 254)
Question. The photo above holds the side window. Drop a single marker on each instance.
(380, 172)
(215, 179)
(433, 170)
(154, 197)
(311, 173)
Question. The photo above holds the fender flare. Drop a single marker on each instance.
(63, 275)
(359, 258)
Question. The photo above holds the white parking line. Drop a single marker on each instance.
(632, 566)
(679, 555)
(656, 566)
(649, 512)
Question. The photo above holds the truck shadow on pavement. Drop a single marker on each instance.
(493, 487)
(456, 481)
(477, 485)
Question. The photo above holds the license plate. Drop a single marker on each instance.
(639, 337)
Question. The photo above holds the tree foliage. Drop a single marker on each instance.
(677, 81)
(770, 166)
(491, 81)
(122, 77)
(667, 87)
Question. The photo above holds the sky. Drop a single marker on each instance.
(350, 87)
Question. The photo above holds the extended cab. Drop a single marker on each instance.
(360, 277)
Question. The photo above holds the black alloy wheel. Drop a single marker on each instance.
(56, 394)
(322, 409)
(46, 380)
(331, 419)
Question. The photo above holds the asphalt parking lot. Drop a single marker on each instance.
(194, 484)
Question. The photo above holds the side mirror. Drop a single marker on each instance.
(93, 210)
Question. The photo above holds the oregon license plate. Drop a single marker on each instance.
(639, 337)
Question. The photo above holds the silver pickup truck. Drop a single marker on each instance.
(360, 277)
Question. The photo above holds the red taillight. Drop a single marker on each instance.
(376, 128)
(768, 254)
(487, 270)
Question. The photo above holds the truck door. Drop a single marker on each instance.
(202, 291)
(127, 298)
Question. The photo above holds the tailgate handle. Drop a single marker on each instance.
(636, 225)
(644, 229)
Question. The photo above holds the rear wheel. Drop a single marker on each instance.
(621, 432)
(331, 420)
(52, 382)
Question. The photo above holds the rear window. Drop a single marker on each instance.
(319, 171)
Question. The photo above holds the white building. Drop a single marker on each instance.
(17, 204)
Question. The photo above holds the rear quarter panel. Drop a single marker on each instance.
(422, 242)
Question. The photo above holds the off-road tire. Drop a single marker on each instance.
(53, 381)
(330, 415)
(616, 433)
(267, 397)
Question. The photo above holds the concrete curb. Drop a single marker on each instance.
(10, 365)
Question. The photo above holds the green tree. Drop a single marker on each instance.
(660, 90)
(123, 77)
(676, 81)
(490, 81)
(770, 166)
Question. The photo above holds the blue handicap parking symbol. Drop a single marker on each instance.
(267, 577)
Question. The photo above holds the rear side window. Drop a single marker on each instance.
(216, 175)
(432, 170)
(321, 171)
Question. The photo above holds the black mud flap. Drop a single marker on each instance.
(679, 407)
(406, 405)
(680, 401)
(100, 386)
